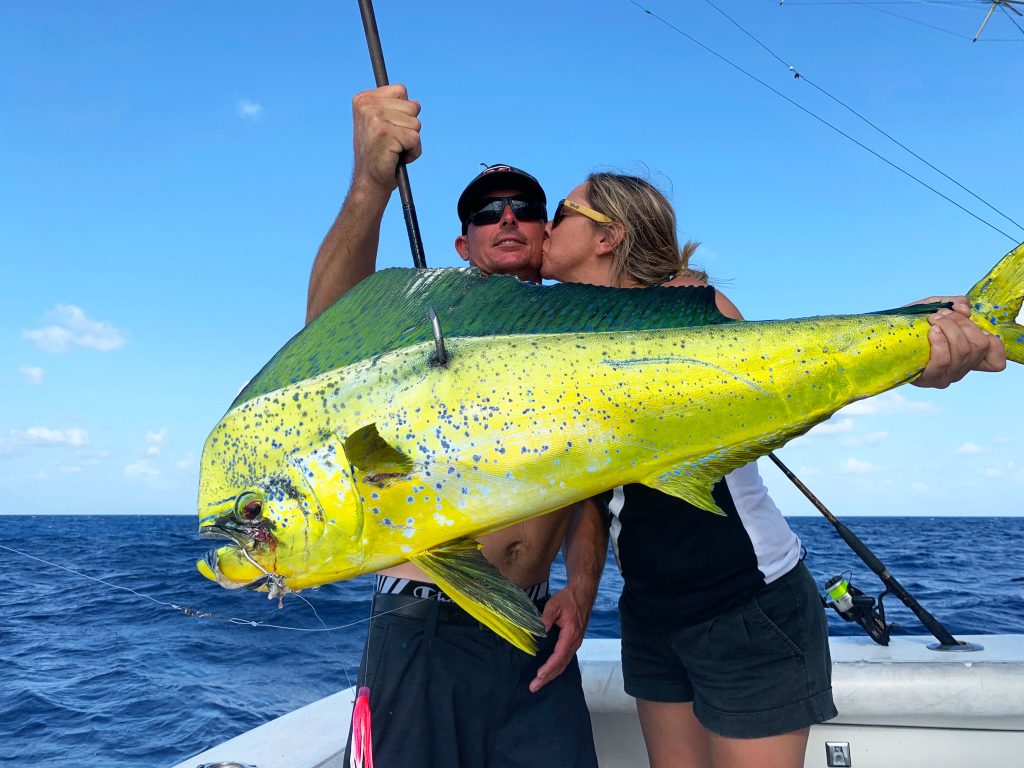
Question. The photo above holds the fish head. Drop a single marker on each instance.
(286, 508)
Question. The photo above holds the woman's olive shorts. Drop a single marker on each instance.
(761, 668)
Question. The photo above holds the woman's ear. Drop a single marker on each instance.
(611, 237)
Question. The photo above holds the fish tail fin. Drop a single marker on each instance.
(996, 302)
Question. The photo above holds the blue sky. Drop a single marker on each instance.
(168, 169)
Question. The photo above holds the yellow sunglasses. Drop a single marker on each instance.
(590, 213)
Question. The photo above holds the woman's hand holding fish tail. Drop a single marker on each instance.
(958, 346)
(585, 548)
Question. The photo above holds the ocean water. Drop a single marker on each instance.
(155, 664)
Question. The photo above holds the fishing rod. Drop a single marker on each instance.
(861, 606)
(380, 74)
(852, 605)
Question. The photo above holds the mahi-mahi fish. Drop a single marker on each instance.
(372, 438)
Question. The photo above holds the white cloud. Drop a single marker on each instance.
(859, 442)
(887, 404)
(918, 487)
(808, 471)
(33, 373)
(139, 469)
(1009, 468)
(70, 470)
(186, 462)
(971, 448)
(73, 329)
(75, 436)
(249, 109)
(854, 466)
(831, 427)
(92, 458)
(155, 440)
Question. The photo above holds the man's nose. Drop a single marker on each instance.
(508, 218)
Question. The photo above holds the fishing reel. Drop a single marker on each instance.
(853, 605)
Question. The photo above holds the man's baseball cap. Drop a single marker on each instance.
(498, 177)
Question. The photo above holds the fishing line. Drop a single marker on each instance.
(1007, 14)
(198, 614)
(337, 650)
(823, 121)
(803, 77)
(872, 7)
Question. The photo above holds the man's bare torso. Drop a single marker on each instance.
(523, 552)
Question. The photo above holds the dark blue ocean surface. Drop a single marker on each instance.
(96, 676)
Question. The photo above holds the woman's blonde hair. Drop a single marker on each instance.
(649, 252)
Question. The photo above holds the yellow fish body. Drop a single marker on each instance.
(321, 475)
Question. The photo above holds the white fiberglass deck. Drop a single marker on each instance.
(903, 705)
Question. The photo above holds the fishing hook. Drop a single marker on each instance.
(441, 357)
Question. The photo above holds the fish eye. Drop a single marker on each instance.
(248, 506)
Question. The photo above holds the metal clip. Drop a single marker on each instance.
(837, 754)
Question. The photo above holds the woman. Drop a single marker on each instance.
(724, 640)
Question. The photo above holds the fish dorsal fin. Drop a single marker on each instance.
(475, 584)
(374, 455)
(390, 310)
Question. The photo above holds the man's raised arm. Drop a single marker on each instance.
(385, 129)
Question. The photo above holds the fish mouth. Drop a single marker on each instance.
(245, 535)
(209, 566)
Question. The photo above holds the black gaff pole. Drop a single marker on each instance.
(946, 640)
(380, 74)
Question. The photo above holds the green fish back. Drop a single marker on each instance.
(388, 311)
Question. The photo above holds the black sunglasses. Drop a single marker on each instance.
(492, 211)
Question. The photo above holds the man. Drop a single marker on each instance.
(444, 690)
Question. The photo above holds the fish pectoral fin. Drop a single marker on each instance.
(692, 482)
(461, 570)
(692, 486)
(374, 455)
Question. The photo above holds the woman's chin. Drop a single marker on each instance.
(550, 271)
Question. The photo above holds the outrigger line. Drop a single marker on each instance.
(872, 5)
(800, 76)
